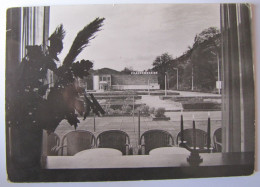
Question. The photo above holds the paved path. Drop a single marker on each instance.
(156, 102)
(186, 93)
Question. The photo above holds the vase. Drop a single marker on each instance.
(25, 153)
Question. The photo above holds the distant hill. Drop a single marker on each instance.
(107, 71)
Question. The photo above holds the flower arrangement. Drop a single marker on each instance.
(33, 102)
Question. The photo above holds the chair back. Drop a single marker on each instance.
(201, 138)
(53, 143)
(217, 140)
(115, 139)
(77, 141)
(156, 138)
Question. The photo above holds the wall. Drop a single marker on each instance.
(139, 79)
(136, 87)
(95, 82)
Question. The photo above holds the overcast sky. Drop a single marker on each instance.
(133, 35)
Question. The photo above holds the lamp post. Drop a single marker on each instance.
(218, 70)
(218, 74)
(165, 86)
(133, 108)
(148, 86)
(192, 78)
(177, 77)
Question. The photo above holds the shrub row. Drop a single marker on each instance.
(128, 110)
(201, 106)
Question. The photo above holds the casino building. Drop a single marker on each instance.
(108, 79)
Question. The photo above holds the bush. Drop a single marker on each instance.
(110, 111)
(202, 106)
(159, 112)
(127, 109)
(152, 110)
(117, 111)
(116, 107)
(144, 110)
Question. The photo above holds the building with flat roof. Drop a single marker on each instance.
(112, 80)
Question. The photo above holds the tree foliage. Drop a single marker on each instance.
(127, 70)
(199, 63)
(205, 59)
(162, 64)
(206, 35)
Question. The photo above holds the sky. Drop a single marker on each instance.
(134, 35)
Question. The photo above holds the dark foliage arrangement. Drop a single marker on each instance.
(36, 103)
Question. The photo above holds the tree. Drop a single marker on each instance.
(198, 65)
(205, 59)
(205, 35)
(162, 64)
(127, 70)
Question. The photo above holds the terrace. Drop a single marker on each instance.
(130, 124)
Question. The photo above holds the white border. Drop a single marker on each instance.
(253, 180)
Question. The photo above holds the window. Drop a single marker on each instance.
(238, 118)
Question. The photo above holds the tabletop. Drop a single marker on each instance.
(147, 161)
(169, 150)
(99, 152)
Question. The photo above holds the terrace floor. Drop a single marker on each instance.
(130, 124)
(155, 102)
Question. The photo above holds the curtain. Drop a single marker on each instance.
(25, 26)
(34, 27)
(238, 117)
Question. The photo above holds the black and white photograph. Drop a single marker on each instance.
(126, 92)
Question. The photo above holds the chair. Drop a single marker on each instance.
(53, 143)
(76, 141)
(153, 139)
(217, 140)
(201, 138)
(115, 139)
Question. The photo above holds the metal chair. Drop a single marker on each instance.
(76, 141)
(53, 143)
(154, 139)
(217, 140)
(201, 139)
(115, 139)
